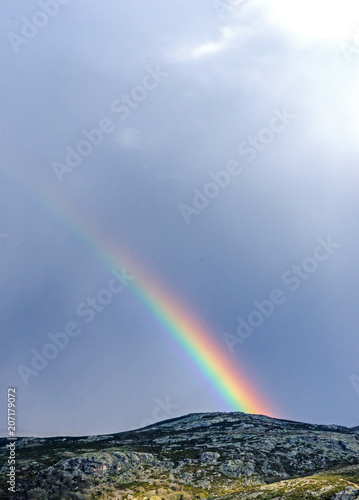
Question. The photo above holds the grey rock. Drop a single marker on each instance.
(215, 453)
(237, 468)
(350, 493)
(209, 456)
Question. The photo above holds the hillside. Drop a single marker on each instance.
(208, 455)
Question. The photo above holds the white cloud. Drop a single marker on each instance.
(195, 51)
(129, 138)
(310, 20)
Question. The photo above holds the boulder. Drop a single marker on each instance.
(209, 456)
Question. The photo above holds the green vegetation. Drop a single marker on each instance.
(214, 456)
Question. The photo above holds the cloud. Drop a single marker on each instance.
(225, 79)
(194, 51)
(311, 20)
(129, 138)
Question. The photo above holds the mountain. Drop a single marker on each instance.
(201, 455)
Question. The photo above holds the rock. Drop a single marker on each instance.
(237, 468)
(209, 456)
(162, 492)
(350, 493)
(205, 452)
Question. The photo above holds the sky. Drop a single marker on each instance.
(207, 148)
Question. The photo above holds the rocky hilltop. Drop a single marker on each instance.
(205, 455)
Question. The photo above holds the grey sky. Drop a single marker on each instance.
(214, 80)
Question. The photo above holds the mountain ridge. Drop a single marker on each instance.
(199, 455)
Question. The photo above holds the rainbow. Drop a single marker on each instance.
(195, 339)
(200, 345)
(191, 334)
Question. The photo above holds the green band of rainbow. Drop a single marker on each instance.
(196, 340)
(199, 343)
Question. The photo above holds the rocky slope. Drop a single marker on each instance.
(209, 455)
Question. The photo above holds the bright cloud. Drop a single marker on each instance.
(314, 19)
(196, 51)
